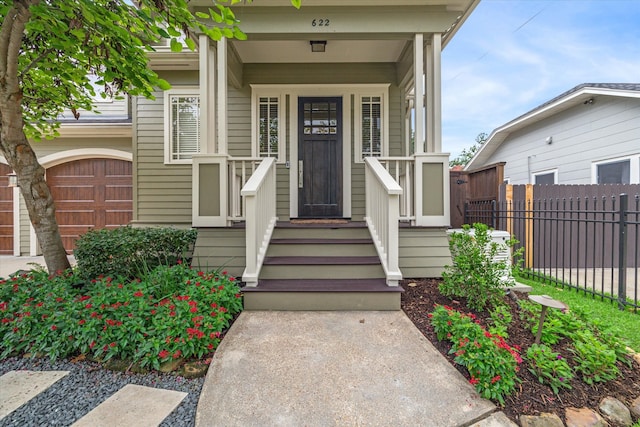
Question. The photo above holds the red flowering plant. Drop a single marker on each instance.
(169, 313)
(490, 361)
(34, 314)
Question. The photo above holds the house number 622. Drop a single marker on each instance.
(323, 22)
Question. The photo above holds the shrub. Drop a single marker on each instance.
(491, 362)
(475, 273)
(130, 252)
(595, 361)
(549, 367)
(500, 320)
(145, 320)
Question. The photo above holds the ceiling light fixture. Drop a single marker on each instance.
(318, 45)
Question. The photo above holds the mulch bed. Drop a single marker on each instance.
(530, 397)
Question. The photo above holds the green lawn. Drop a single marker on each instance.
(625, 324)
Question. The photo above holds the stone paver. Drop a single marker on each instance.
(584, 417)
(498, 419)
(133, 406)
(18, 387)
(333, 368)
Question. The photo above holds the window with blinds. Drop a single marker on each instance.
(371, 115)
(268, 124)
(185, 126)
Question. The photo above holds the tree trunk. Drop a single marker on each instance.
(37, 196)
(15, 146)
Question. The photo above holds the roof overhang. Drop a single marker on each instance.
(585, 95)
(164, 59)
(360, 31)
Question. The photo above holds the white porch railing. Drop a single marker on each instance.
(259, 194)
(402, 169)
(240, 170)
(382, 216)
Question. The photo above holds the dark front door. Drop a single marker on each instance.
(320, 157)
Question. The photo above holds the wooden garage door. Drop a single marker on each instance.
(6, 212)
(90, 194)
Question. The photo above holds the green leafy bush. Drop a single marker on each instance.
(595, 361)
(549, 367)
(130, 252)
(491, 362)
(501, 318)
(475, 273)
(147, 320)
(595, 352)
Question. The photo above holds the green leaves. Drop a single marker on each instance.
(595, 360)
(127, 251)
(491, 362)
(176, 46)
(549, 367)
(118, 319)
(65, 41)
(475, 273)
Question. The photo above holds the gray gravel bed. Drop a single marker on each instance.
(88, 385)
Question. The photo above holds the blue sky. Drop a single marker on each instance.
(512, 55)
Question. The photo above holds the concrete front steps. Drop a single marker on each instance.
(322, 267)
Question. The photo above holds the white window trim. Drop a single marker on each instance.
(183, 90)
(634, 167)
(256, 94)
(383, 93)
(545, 172)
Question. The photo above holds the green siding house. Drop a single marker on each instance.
(308, 156)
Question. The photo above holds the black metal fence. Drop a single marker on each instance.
(587, 243)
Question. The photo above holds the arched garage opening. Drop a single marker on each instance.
(91, 193)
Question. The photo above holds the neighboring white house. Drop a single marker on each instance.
(588, 135)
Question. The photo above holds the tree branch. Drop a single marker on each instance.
(23, 14)
(5, 33)
(34, 62)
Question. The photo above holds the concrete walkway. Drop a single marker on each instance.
(334, 369)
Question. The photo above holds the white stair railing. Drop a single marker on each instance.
(259, 196)
(382, 216)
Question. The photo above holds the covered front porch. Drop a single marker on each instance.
(352, 133)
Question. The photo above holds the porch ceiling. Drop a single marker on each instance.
(299, 51)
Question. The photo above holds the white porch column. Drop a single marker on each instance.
(434, 94)
(418, 81)
(222, 96)
(207, 76)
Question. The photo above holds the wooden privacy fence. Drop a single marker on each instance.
(477, 188)
(586, 236)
